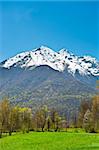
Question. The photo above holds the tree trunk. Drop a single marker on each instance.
(10, 133)
(1, 133)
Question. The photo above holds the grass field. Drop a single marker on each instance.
(50, 141)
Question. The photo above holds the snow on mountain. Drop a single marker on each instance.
(59, 61)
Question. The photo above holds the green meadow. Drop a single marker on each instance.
(50, 141)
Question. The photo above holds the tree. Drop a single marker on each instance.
(85, 105)
(48, 123)
(95, 112)
(16, 118)
(4, 115)
(53, 116)
(25, 119)
(88, 121)
(41, 117)
(74, 120)
(37, 120)
(63, 124)
(44, 113)
(10, 122)
(57, 122)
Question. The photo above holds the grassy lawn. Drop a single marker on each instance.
(50, 141)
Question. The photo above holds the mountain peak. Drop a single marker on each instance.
(44, 47)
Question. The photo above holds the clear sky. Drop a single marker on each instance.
(27, 25)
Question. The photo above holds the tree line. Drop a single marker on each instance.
(15, 118)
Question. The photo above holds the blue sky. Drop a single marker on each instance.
(27, 25)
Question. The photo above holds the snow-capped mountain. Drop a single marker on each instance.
(59, 61)
(43, 76)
